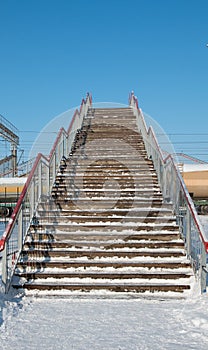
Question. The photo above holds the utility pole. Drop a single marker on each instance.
(9, 133)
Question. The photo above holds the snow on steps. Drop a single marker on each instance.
(105, 241)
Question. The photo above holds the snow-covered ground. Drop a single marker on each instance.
(46, 323)
(103, 323)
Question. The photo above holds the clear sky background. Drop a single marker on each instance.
(52, 52)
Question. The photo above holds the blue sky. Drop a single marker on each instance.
(54, 51)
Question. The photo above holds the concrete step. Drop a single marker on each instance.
(97, 204)
(100, 220)
(111, 165)
(121, 213)
(84, 152)
(138, 204)
(94, 178)
(91, 254)
(103, 197)
(34, 275)
(124, 183)
(114, 287)
(113, 171)
(107, 228)
(97, 236)
(118, 264)
(105, 244)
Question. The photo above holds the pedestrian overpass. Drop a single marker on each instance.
(105, 212)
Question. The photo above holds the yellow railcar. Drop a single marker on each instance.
(196, 179)
(10, 188)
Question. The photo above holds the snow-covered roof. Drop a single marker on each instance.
(12, 181)
(195, 167)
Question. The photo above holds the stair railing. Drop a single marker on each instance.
(37, 187)
(174, 190)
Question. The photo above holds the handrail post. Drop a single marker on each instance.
(47, 180)
(54, 166)
(203, 268)
(188, 231)
(32, 196)
(40, 180)
(4, 265)
(20, 229)
(63, 145)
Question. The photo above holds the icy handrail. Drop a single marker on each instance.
(83, 109)
(149, 134)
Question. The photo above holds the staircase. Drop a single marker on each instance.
(106, 228)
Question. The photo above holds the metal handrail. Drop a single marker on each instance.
(175, 191)
(38, 184)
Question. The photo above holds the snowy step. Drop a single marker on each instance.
(107, 227)
(114, 287)
(90, 172)
(125, 175)
(173, 263)
(182, 269)
(101, 186)
(99, 122)
(84, 206)
(128, 196)
(115, 151)
(101, 182)
(112, 156)
(95, 236)
(114, 167)
(108, 281)
(134, 212)
(118, 192)
(107, 244)
(103, 275)
(116, 160)
(120, 117)
(132, 190)
(85, 219)
(90, 253)
(113, 133)
(120, 172)
(98, 130)
(91, 180)
(138, 204)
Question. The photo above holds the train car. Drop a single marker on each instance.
(10, 189)
(196, 179)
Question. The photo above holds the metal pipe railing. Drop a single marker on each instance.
(174, 190)
(38, 185)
